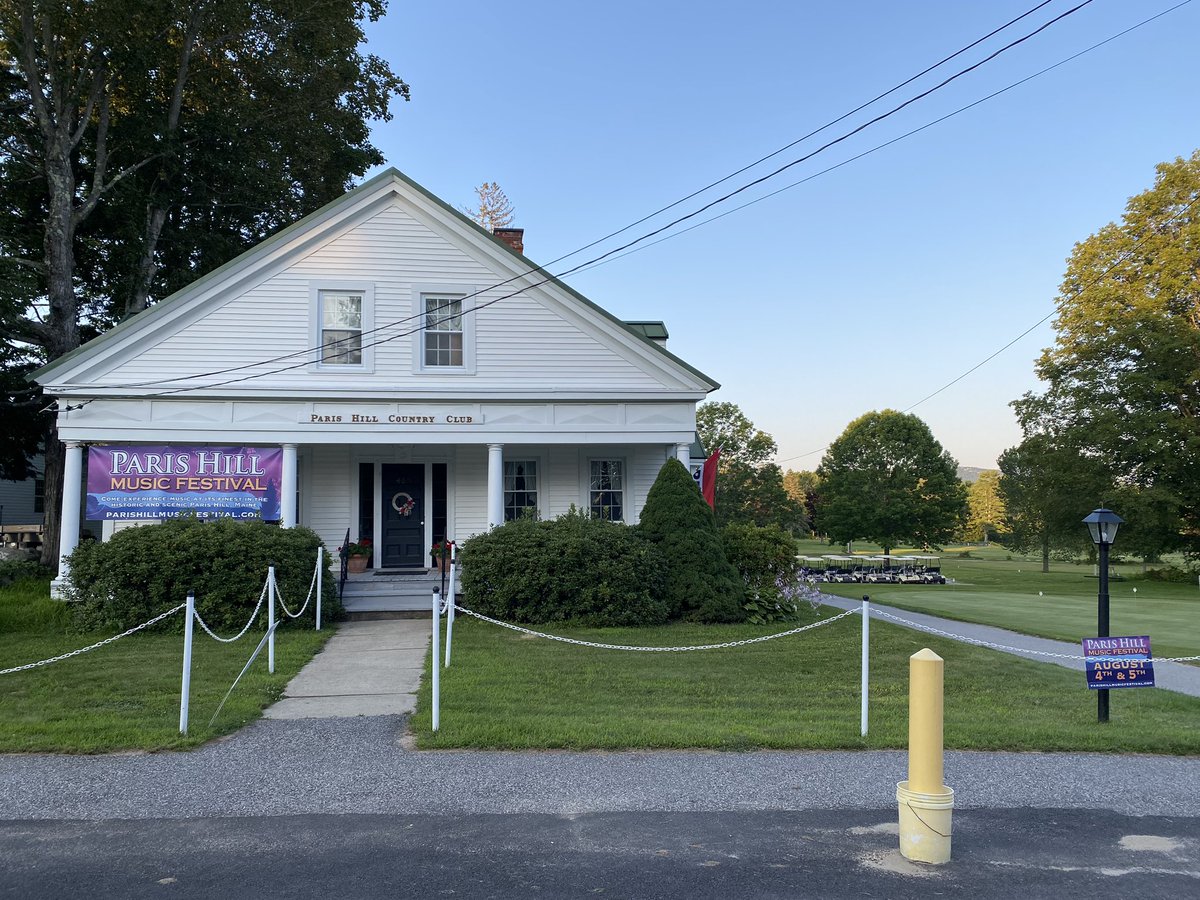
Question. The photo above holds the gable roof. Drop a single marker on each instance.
(312, 225)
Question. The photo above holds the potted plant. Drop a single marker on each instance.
(443, 554)
(358, 554)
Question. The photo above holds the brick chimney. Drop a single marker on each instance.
(514, 237)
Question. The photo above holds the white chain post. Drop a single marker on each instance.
(271, 619)
(320, 580)
(437, 670)
(866, 658)
(450, 612)
(185, 691)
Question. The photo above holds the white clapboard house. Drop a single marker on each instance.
(392, 348)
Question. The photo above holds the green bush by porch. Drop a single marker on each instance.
(142, 571)
(569, 569)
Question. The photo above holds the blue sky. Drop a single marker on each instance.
(867, 287)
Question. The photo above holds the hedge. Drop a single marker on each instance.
(143, 571)
(570, 569)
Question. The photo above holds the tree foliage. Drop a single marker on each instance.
(985, 507)
(493, 209)
(887, 480)
(749, 486)
(1123, 377)
(1047, 488)
(144, 143)
(802, 487)
(702, 586)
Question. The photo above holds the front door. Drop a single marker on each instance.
(403, 515)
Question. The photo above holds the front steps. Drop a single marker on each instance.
(395, 590)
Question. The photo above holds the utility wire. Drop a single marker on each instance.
(646, 218)
(1059, 306)
(603, 256)
(907, 134)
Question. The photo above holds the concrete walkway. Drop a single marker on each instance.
(1177, 677)
(370, 668)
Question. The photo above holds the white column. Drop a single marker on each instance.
(683, 452)
(287, 488)
(495, 504)
(68, 536)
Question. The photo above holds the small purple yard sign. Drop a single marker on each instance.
(1118, 662)
(168, 481)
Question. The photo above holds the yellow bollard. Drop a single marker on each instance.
(926, 804)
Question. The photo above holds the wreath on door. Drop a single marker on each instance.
(403, 503)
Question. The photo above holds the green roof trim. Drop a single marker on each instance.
(325, 211)
(656, 331)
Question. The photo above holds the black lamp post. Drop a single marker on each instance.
(1102, 523)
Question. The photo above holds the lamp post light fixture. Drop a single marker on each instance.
(1103, 524)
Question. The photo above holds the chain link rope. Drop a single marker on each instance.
(295, 615)
(726, 644)
(237, 637)
(98, 644)
(875, 613)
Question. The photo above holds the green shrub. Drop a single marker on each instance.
(12, 570)
(1171, 575)
(765, 557)
(701, 584)
(569, 569)
(142, 571)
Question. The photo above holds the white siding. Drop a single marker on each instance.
(327, 490)
(521, 341)
(469, 477)
(645, 462)
(562, 480)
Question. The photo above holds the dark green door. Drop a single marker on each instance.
(403, 515)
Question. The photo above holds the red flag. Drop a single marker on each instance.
(708, 478)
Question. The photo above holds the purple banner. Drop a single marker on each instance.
(1118, 662)
(165, 482)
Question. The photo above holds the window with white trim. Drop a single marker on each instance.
(341, 328)
(606, 489)
(520, 488)
(443, 332)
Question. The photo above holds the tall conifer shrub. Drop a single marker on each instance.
(702, 586)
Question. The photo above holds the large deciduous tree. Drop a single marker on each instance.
(1047, 488)
(985, 507)
(888, 480)
(749, 486)
(1123, 377)
(802, 487)
(145, 142)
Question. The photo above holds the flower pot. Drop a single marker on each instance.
(356, 565)
(443, 564)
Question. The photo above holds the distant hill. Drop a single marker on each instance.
(970, 474)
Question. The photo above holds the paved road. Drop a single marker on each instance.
(1182, 679)
(1061, 854)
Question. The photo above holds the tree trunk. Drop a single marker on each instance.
(1045, 552)
(52, 494)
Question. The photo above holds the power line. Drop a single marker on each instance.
(596, 260)
(907, 134)
(1058, 307)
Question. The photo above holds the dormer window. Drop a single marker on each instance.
(443, 332)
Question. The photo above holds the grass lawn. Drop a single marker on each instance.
(507, 690)
(125, 696)
(1015, 594)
